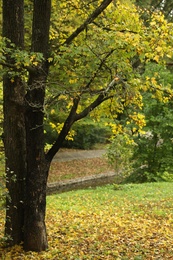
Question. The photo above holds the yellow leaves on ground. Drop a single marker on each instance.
(93, 227)
(134, 222)
(60, 171)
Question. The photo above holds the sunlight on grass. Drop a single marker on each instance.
(133, 222)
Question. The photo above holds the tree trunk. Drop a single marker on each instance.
(14, 128)
(14, 143)
(35, 205)
(23, 131)
(35, 237)
(26, 164)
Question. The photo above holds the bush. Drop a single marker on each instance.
(120, 153)
(145, 176)
(87, 134)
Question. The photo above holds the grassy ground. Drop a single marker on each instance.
(111, 222)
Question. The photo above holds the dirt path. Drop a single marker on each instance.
(70, 154)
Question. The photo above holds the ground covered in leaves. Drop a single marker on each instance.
(60, 171)
(111, 222)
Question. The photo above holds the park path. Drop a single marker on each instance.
(82, 182)
(75, 154)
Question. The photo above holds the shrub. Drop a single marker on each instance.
(120, 153)
(87, 134)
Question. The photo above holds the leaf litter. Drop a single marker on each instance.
(77, 168)
(103, 223)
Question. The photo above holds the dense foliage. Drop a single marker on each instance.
(151, 152)
(114, 48)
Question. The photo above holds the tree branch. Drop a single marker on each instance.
(102, 63)
(8, 65)
(64, 132)
(73, 117)
(13, 66)
(89, 20)
(100, 99)
(169, 64)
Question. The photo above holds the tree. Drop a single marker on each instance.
(153, 153)
(109, 49)
(23, 130)
(165, 6)
(27, 165)
(14, 137)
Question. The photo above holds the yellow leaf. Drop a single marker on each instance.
(35, 63)
(50, 59)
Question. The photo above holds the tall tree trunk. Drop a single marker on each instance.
(14, 127)
(35, 237)
(35, 205)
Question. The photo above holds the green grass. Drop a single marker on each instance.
(133, 221)
(129, 196)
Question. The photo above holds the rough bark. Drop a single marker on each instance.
(14, 128)
(35, 204)
(14, 143)
(35, 237)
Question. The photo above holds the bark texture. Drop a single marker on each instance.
(14, 127)
(35, 237)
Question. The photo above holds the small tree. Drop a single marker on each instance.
(153, 151)
(120, 156)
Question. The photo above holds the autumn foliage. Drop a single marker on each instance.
(78, 59)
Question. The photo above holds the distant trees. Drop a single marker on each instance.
(148, 152)
(166, 6)
(153, 153)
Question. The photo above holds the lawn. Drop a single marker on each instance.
(110, 222)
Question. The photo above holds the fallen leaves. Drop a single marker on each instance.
(106, 235)
(77, 168)
(134, 223)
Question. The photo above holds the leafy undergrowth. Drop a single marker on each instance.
(131, 222)
(77, 168)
